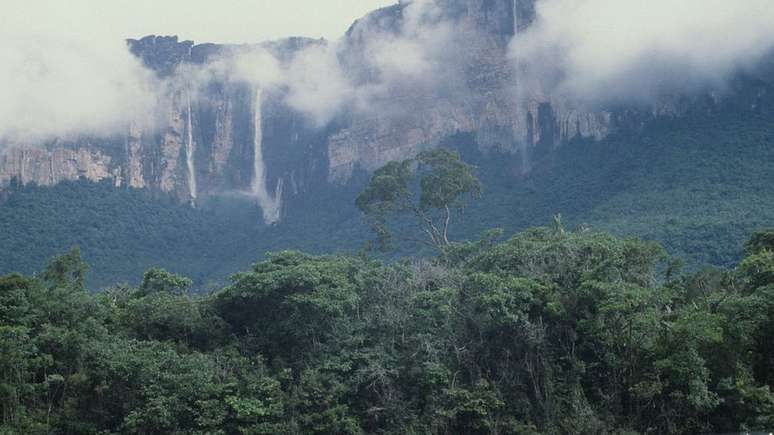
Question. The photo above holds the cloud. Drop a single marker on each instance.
(312, 78)
(419, 47)
(60, 86)
(317, 83)
(593, 50)
(65, 69)
(251, 64)
(634, 50)
(412, 56)
(395, 57)
(320, 79)
(70, 81)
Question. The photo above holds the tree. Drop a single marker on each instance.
(295, 302)
(67, 270)
(760, 241)
(429, 187)
(158, 280)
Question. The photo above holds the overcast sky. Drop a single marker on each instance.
(225, 21)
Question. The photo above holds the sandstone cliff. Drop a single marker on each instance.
(233, 136)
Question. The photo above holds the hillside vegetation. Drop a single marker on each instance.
(698, 184)
(551, 331)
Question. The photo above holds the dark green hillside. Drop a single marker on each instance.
(697, 184)
(123, 232)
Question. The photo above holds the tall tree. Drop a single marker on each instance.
(429, 187)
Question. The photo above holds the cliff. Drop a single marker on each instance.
(229, 135)
(484, 96)
(196, 145)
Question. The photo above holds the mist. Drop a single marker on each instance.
(65, 69)
(631, 50)
(59, 82)
(419, 55)
(319, 84)
(54, 86)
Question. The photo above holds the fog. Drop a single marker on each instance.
(620, 50)
(52, 86)
(65, 68)
(76, 76)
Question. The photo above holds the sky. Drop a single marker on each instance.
(223, 21)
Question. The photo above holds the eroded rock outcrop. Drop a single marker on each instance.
(485, 96)
(195, 146)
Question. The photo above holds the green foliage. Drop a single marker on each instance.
(759, 242)
(446, 180)
(302, 300)
(699, 184)
(123, 232)
(66, 270)
(158, 280)
(443, 180)
(550, 331)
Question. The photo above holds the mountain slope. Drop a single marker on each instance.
(700, 184)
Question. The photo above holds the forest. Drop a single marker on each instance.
(549, 331)
(553, 330)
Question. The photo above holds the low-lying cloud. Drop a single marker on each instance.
(54, 86)
(419, 51)
(317, 84)
(604, 50)
(71, 83)
(320, 80)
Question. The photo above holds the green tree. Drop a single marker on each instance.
(429, 187)
(293, 304)
(158, 280)
(551, 331)
(67, 270)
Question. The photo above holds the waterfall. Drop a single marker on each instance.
(51, 168)
(23, 165)
(270, 205)
(515, 17)
(516, 30)
(189, 157)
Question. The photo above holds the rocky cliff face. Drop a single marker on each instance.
(230, 139)
(47, 167)
(485, 97)
(232, 136)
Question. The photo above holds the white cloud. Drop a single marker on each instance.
(65, 68)
(317, 83)
(622, 49)
(60, 86)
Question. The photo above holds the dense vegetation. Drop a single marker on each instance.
(551, 331)
(123, 232)
(699, 184)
